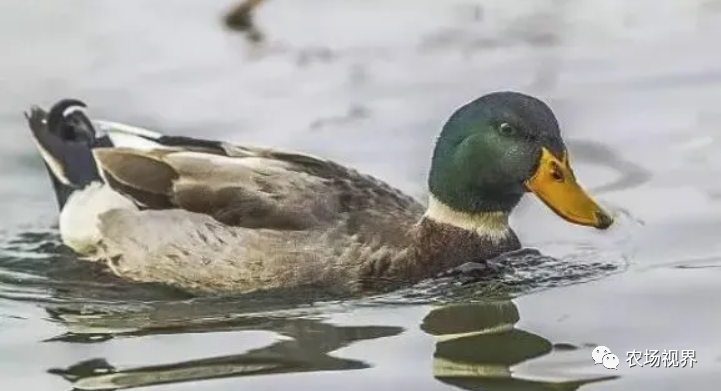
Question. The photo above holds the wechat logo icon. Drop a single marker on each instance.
(602, 355)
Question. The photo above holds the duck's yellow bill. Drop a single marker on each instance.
(554, 183)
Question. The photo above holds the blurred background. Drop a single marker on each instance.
(636, 85)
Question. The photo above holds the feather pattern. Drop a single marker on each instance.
(216, 216)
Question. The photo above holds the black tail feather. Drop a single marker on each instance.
(65, 137)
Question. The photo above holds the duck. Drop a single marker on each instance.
(216, 217)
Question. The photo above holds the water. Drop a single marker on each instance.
(635, 84)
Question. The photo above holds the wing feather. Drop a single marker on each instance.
(251, 187)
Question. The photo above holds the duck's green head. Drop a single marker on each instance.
(500, 146)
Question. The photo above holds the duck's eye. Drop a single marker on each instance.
(506, 129)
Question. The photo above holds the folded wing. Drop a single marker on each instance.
(249, 187)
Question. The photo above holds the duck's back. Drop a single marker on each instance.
(235, 218)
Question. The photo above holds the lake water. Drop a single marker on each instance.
(636, 86)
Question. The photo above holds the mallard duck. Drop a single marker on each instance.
(211, 216)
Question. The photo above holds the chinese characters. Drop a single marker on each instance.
(659, 359)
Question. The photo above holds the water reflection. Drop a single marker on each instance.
(477, 345)
(311, 341)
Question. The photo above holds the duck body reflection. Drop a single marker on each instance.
(478, 345)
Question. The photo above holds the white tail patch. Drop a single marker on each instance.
(79, 219)
(493, 225)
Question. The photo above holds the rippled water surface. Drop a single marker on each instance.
(636, 86)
